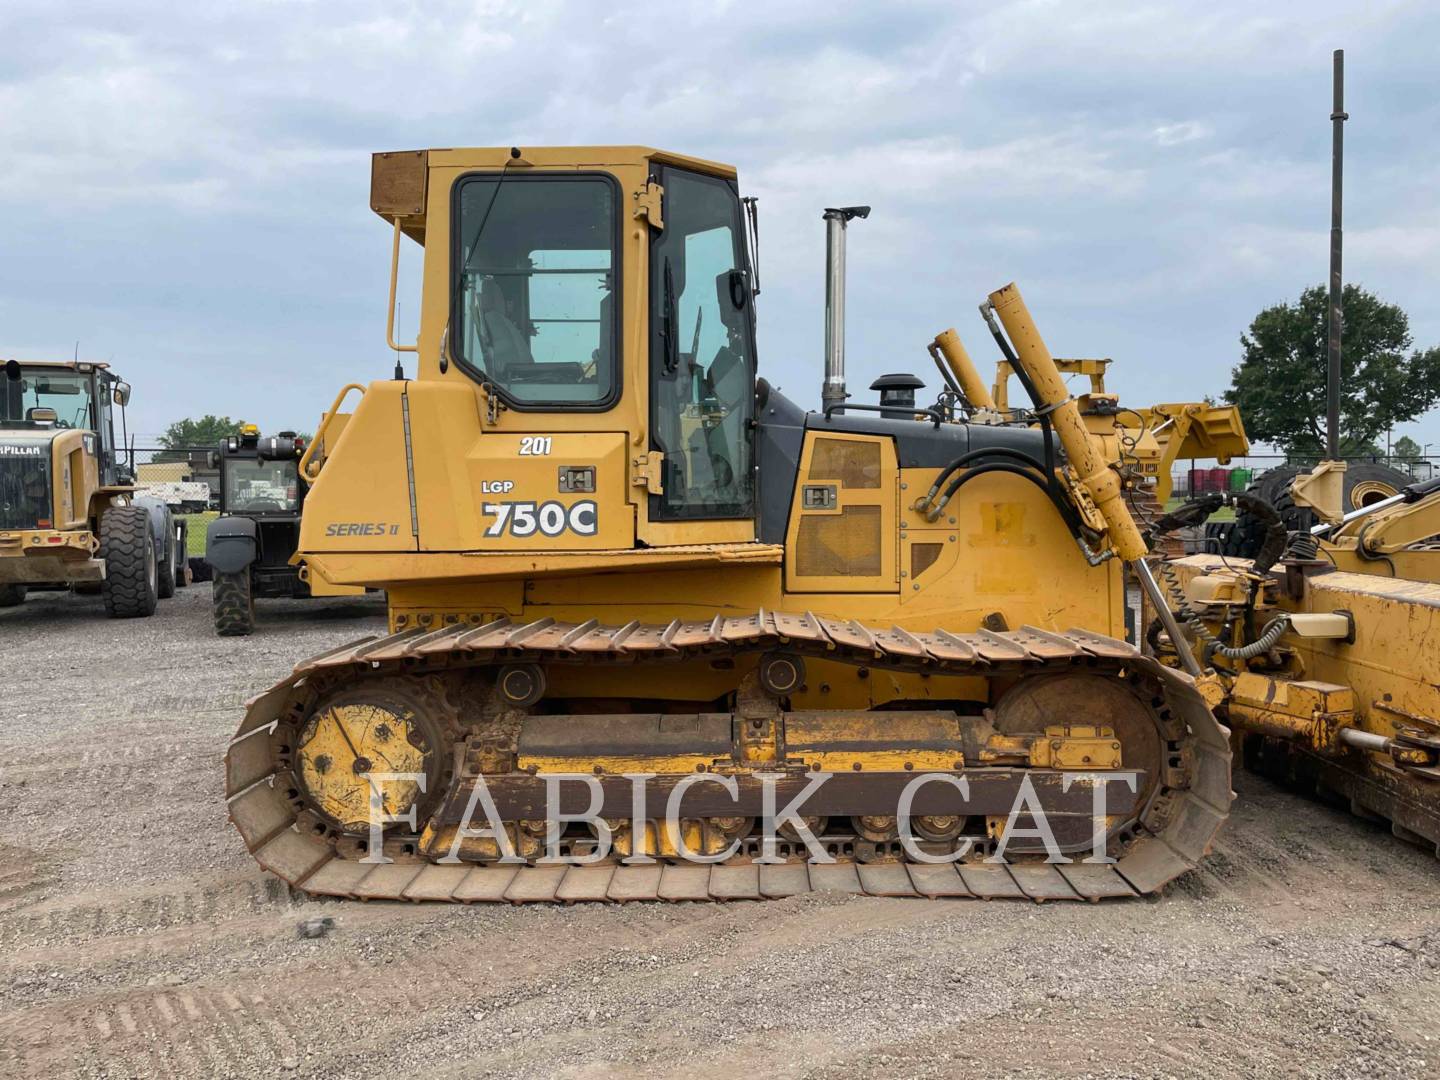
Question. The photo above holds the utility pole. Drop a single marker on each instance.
(1338, 116)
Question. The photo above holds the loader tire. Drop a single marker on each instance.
(132, 572)
(166, 562)
(10, 595)
(1365, 482)
(234, 604)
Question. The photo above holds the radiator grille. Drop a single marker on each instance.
(846, 544)
(854, 464)
(24, 488)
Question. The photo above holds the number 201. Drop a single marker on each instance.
(534, 445)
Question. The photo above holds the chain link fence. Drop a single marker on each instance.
(185, 478)
(1241, 472)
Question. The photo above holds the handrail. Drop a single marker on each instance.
(908, 410)
(390, 310)
(319, 437)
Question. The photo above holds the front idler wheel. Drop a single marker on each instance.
(353, 738)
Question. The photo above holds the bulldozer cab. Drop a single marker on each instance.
(595, 307)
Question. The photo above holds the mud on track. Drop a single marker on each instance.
(137, 938)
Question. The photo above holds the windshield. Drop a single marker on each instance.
(67, 392)
(259, 487)
(536, 290)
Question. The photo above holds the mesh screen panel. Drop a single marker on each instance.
(846, 544)
(922, 557)
(854, 464)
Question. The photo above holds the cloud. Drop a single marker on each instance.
(185, 187)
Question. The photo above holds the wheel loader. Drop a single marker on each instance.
(69, 514)
(657, 631)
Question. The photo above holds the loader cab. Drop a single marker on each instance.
(81, 396)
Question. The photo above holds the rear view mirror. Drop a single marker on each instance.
(41, 415)
(122, 394)
(212, 459)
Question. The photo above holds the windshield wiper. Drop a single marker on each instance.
(669, 331)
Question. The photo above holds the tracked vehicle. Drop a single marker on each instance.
(611, 549)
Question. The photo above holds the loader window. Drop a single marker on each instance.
(702, 366)
(537, 287)
(67, 392)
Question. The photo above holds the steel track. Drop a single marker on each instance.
(1172, 836)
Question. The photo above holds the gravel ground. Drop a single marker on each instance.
(138, 939)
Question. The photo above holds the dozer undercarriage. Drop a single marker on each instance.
(443, 705)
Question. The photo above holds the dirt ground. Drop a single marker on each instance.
(138, 939)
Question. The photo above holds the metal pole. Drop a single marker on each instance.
(1338, 116)
(832, 392)
(1152, 589)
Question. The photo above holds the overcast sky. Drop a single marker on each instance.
(185, 186)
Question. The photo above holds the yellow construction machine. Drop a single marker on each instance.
(1324, 645)
(70, 516)
(640, 600)
(1328, 656)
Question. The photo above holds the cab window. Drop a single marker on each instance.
(261, 487)
(536, 287)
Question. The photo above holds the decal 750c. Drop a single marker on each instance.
(548, 518)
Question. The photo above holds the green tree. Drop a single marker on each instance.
(1279, 384)
(1406, 449)
(206, 431)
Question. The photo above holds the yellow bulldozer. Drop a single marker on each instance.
(656, 631)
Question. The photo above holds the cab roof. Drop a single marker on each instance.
(398, 178)
(62, 365)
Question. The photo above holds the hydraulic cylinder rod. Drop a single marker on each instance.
(971, 385)
(1081, 448)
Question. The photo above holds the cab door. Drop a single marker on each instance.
(702, 365)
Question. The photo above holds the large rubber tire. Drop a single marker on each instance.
(132, 572)
(166, 560)
(1365, 482)
(10, 595)
(1368, 482)
(234, 604)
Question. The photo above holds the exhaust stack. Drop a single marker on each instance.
(832, 392)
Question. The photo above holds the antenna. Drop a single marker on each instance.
(1336, 316)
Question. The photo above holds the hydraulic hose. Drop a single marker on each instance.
(1196, 512)
(964, 459)
(1066, 511)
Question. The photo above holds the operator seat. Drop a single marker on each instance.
(503, 345)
